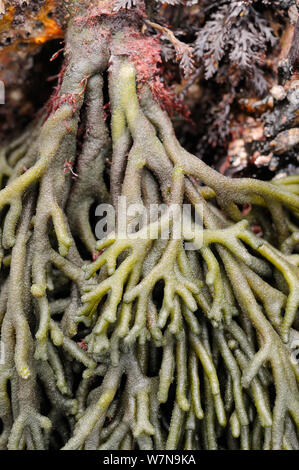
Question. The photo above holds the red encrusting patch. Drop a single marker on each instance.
(68, 168)
(246, 209)
(82, 345)
(53, 103)
(107, 110)
(96, 254)
(57, 100)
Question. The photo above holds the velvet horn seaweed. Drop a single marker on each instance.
(150, 345)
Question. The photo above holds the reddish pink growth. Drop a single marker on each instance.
(145, 52)
(54, 56)
(168, 100)
(67, 126)
(255, 156)
(83, 84)
(246, 209)
(96, 254)
(225, 165)
(52, 103)
(57, 100)
(257, 230)
(107, 110)
(194, 179)
(104, 8)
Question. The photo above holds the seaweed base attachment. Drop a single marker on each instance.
(150, 345)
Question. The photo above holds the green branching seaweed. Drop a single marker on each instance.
(152, 345)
